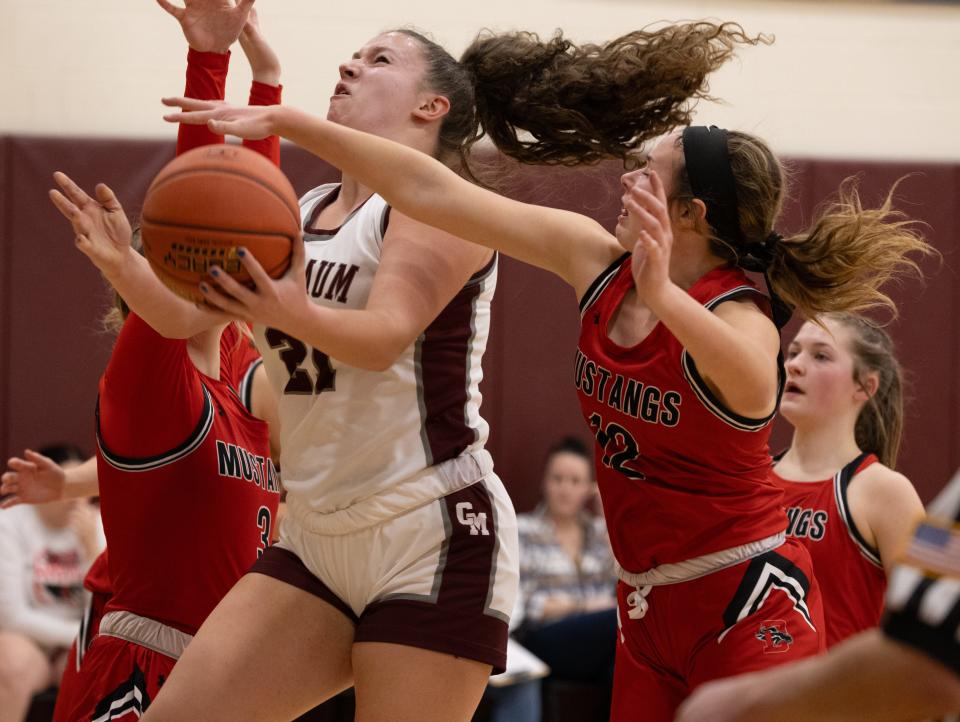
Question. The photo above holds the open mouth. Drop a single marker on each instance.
(341, 89)
(792, 388)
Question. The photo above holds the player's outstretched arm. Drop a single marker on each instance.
(104, 235)
(421, 269)
(869, 677)
(265, 88)
(571, 245)
(735, 346)
(264, 63)
(36, 479)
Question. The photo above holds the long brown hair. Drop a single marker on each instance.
(879, 426)
(583, 103)
(841, 262)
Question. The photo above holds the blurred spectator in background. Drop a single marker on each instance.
(567, 576)
(45, 551)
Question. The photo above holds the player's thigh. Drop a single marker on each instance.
(397, 683)
(641, 692)
(24, 666)
(269, 651)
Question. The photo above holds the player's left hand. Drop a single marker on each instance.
(648, 220)
(33, 479)
(252, 122)
(280, 303)
(263, 60)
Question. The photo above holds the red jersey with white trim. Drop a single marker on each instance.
(851, 575)
(245, 361)
(188, 491)
(680, 475)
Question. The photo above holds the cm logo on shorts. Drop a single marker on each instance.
(467, 517)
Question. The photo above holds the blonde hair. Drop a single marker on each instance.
(879, 426)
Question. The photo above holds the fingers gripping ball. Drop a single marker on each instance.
(208, 202)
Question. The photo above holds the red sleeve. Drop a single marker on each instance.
(206, 80)
(262, 94)
(151, 397)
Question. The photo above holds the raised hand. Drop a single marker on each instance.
(264, 62)
(648, 221)
(252, 122)
(102, 229)
(34, 479)
(210, 26)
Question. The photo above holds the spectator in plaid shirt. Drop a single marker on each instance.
(567, 577)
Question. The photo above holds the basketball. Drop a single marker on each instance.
(207, 203)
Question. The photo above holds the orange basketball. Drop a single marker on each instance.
(208, 202)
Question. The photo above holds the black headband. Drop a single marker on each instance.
(707, 160)
(711, 180)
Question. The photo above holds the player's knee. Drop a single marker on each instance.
(24, 668)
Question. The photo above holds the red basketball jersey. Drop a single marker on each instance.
(245, 360)
(188, 491)
(97, 580)
(680, 475)
(849, 569)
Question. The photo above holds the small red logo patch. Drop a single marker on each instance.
(775, 637)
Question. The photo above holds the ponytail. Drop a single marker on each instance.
(583, 103)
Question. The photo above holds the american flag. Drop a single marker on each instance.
(936, 549)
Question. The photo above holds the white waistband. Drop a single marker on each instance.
(431, 484)
(700, 566)
(146, 632)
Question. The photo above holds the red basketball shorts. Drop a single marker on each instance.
(756, 614)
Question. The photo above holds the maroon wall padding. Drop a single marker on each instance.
(52, 350)
(6, 245)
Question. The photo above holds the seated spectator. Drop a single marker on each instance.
(45, 551)
(567, 577)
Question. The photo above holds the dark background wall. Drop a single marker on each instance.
(52, 348)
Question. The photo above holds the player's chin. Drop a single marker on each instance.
(623, 236)
(793, 406)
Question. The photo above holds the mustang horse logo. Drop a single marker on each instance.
(773, 633)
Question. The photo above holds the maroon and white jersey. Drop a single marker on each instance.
(848, 568)
(188, 491)
(680, 475)
(359, 445)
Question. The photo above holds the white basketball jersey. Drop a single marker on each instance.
(363, 443)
